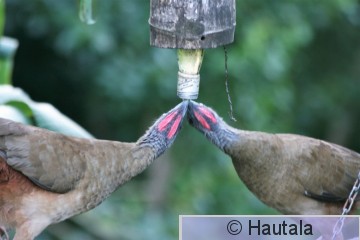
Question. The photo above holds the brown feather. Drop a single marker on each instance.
(281, 168)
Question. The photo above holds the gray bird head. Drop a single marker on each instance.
(163, 132)
(208, 122)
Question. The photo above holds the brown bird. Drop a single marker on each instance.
(47, 177)
(291, 173)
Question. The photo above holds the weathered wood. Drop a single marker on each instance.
(192, 24)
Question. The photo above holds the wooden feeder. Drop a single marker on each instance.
(191, 26)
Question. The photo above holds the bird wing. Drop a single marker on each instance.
(52, 161)
(327, 171)
(324, 197)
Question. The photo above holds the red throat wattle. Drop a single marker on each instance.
(174, 127)
(202, 120)
(208, 114)
(204, 112)
(167, 120)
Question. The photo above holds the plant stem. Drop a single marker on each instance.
(8, 47)
(86, 11)
(2, 17)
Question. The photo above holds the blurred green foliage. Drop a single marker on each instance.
(294, 67)
(17, 105)
(2, 17)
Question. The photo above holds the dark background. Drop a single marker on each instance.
(294, 67)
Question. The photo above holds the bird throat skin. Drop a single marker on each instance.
(162, 134)
(211, 125)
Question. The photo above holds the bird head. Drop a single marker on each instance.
(207, 121)
(163, 132)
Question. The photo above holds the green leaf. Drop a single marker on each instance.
(23, 107)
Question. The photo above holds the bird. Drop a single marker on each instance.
(47, 177)
(294, 174)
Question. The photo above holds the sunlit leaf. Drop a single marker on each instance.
(48, 117)
(86, 11)
(10, 93)
(44, 115)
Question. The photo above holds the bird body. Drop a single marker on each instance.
(46, 177)
(295, 174)
(291, 173)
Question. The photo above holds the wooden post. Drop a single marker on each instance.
(192, 24)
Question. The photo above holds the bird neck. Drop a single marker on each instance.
(112, 164)
(153, 142)
(141, 157)
(223, 136)
(118, 162)
(122, 161)
(255, 148)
